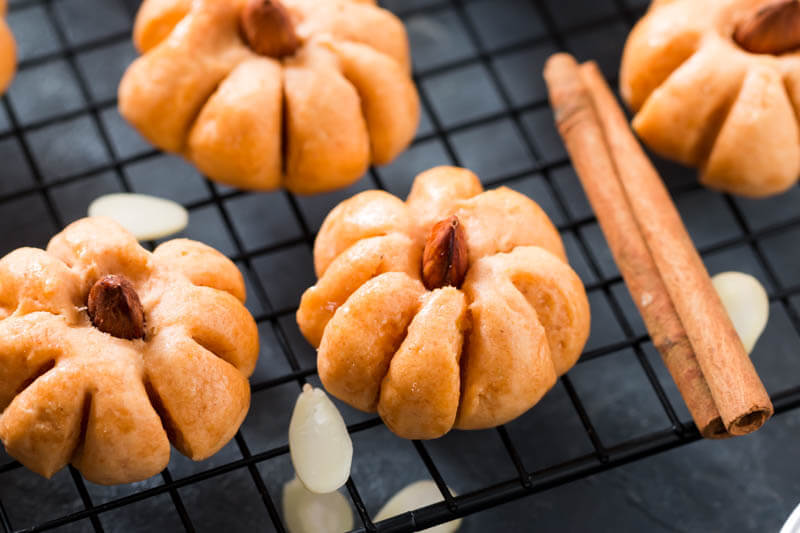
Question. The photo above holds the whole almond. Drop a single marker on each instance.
(772, 29)
(444, 260)
(115, 308)
(268, 28)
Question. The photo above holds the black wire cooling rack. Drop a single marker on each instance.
(478, 68)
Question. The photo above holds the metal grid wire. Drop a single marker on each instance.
(503, 131)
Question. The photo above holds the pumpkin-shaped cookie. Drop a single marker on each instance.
(8, 50)
(109, 352)
(265, 93)
(716, 84)
(456, 308)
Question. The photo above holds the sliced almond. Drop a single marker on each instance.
(147, 217)
(747, 304)
(307, 512)
(416, 495)
(319, 444)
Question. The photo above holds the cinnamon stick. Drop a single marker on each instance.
(585, 141)
(741, 398)
(720, 368)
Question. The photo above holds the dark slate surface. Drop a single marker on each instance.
(62, 143)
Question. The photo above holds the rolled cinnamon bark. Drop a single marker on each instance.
(732, 381)
(741, 398)
(579, 126)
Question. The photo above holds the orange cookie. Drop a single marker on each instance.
(8, 51)
(109, 353)
(261, 94)
(456, 308)
(715, 84)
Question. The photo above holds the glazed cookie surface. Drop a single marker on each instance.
(456, 308)
(715, 85)
(261, 94)
(109, 353)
